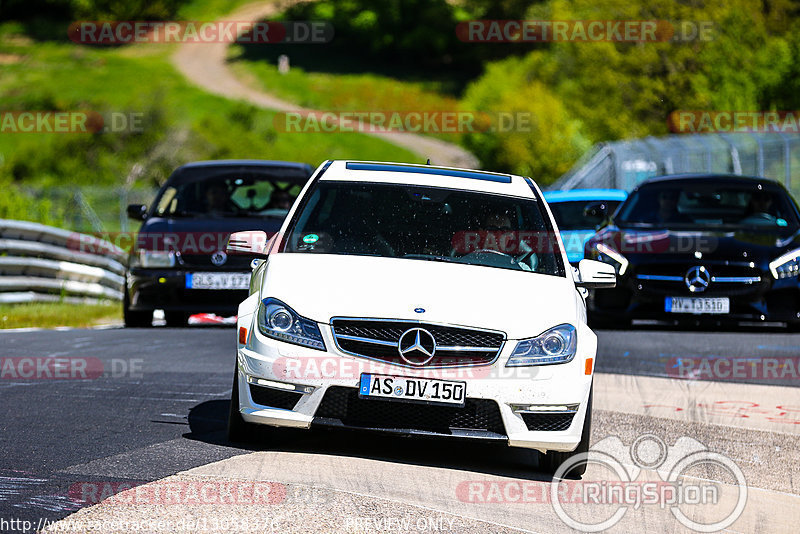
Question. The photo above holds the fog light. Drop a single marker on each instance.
(279, 385)
(544, 408)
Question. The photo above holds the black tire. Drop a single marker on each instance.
(239, 430)
(135, 319)
(176, 319)
(550, 462)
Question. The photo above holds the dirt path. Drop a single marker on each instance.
(205, 65)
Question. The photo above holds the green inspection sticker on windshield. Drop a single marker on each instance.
(311, 238)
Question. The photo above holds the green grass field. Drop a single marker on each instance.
(50, 315)
(318, 79)
(180, 122)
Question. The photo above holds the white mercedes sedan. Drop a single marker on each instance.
(418, 300)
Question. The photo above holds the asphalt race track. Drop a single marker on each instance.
(158, 401)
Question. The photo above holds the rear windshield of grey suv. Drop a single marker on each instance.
(426, 224)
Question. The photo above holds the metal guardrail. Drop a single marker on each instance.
(40, 263)
(624, 164)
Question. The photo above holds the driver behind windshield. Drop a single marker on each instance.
(668, 207)
(497, 221)
(280, 200)
(217, 198)
(759, 209)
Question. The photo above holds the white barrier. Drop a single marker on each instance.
(40, 263)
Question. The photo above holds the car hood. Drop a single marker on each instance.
(320, 286)
(741, 245)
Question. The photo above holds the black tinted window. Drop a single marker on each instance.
(722, 204)
(229, 195)
(425, 223)
(574, 216)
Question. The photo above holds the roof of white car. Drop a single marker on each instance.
(430, 175)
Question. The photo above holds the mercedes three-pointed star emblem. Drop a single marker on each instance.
(416, 346)
(697, 279)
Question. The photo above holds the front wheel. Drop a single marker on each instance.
(551, 461)
(135, 319)
(176, 319)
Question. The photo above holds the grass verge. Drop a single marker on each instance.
(52, 314)
(179, 123)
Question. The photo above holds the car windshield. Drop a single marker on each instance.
(576, 215)
(232, 194)
(702, 205)
(426, 223)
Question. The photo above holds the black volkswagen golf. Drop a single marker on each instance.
(178, 262)
(701, 247)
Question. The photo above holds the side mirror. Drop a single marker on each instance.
(594, 274)
(251, 243)
(137, 212)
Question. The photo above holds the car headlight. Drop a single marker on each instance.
(154, 259)
(786, 266)
(279, 321)
(557, 345)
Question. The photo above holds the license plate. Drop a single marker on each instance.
(218, 280)
(697, 305)
(426, 390)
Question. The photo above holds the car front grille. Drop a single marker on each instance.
(379, 339)
(549, 422)
(343, 406)
(726, 279)
(203, 261)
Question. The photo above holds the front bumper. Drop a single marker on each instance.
(325, 390)
(165, 289)
(768, 300)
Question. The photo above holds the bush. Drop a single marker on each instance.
(90, 9)
(543, 148)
